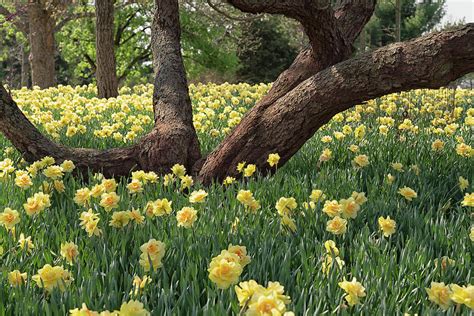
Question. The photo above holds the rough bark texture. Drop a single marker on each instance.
(42, 45)
(173, 139)
(283, 127)
(321, 82)
(351, 17)
(106, 74)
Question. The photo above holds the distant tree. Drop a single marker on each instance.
(14, 64)
(106, 72)
(131, 45)
(208, 42)
(264, 51)
(416, 18)
(39, 21)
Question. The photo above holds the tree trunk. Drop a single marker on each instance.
(172, 140)
(283, 126)
(42, 46)
(106, 74)
(398, 20)
(317, 86)
(25, 67)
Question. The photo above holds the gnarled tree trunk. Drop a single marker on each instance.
(286, 124)
(172, 140)
(323, 81)
(106, 73)
(42, 45)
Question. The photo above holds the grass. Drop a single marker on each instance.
(394, 271)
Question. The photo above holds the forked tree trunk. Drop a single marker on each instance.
(285, 125)
(42, 45)
(323, 81)
(106, 73)
(173, 138)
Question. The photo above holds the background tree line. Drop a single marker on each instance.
(55, 42)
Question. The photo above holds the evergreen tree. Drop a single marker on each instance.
(264, 51)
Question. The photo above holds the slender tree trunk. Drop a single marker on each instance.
(398, 20)
(107, 83)
(25, 67)
(42, 46)
(174, 139)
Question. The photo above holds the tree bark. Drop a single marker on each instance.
(42, 45)
(173, 138)
(351, 17)
(106, 73)
(305, 97)
(285, 125)
(25, 67)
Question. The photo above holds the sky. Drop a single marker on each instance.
(459, 9)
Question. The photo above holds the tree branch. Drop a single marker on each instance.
(351, 16)
(296, 9)
(137, 59)
(317, 18)
(134, 34)
(227, 15)
(121, 28)
(34, 145)
(12, 17)
(71, 17)
(91, 62)
(427, 62)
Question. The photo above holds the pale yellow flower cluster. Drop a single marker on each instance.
(256, 299)
(152, 254)
(50, 277)
(248, 200)
(342, 210)
(226, 268)
(445, 295)
(354, 291)
(129, 308)
(66, 112)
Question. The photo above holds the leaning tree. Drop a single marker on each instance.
(324, 80)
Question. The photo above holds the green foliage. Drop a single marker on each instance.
(206, 41)
(416, 19)
(264, 51)
(132, 29)
(11, 42)
(206, 45)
